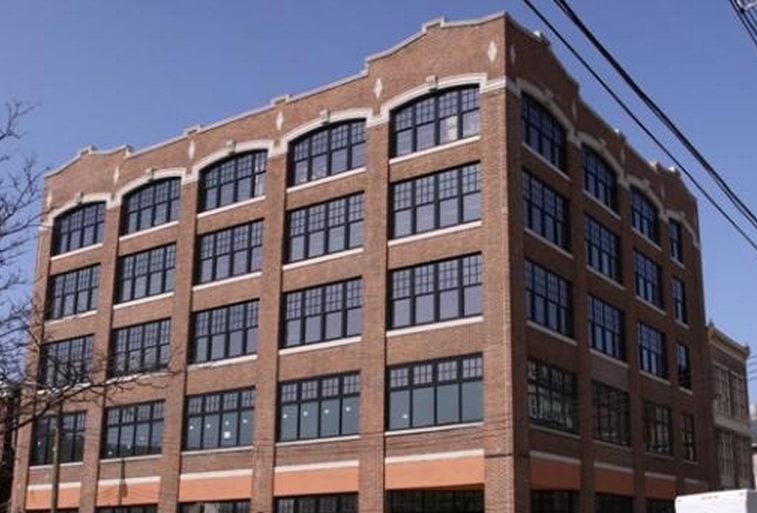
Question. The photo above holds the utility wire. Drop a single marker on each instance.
(641, 124)
(745, 20)
(658, 112)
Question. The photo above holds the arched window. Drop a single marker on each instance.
(235, 179)
(78, 228)
(542, 132)
(600, 181)
(328, 151)
(151, 205)
(439, 118)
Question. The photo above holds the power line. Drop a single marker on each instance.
(745, 20)
(659, 113)
(641, 124)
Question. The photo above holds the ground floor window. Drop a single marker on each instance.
(436, 501)
(607, 503)
(338, 503)
(553, 501)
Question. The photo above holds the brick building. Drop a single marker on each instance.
(730, 406)
(443, 283)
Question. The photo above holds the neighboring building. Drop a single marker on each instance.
(8, 418)
(443, 284)
(733, 436)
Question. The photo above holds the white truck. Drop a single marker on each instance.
(731, 501)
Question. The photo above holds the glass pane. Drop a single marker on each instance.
(399, 410)
(423, 407)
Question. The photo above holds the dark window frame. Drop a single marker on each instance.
(612, 414)
(232, 506)
(78, 228)
(239, 248)
(126, 420)
(143, 508)
(140, 348)
(73, 292)
(603, 249)
(546, 212)
(688, 437)
(313, 156)
(543, 133)
(680, 305)
(66, 362)
(143, 209)
(683, 361)
(606, 327)
(658, 429)
(145, 273)
(600, 179)
(407, 380)
(326, 503)
(219, 404)
(645, 217)
(438, 501)
(431, 111)
(660, 506)
(72, 438)
(218, 325)
(675, 236)
(648, 279)
(242, 176)
(611, 503)
(549, 299)
(653, 351)
(560, 387)
(554, 501)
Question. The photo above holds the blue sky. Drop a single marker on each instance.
(113, 73)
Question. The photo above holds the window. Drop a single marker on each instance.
(342, 503)
(66, 363)
(738, 384)
(78, 228)
(438, 200)
(235, 179)
(140, 348)
(660, 506)
(325, 228)
(146, 273)
(73, 292)
(436, 393)
(679, 301)
(329, 151)
(73, 426)
(602, 249)
(216, 507)
(221, 419)
(325, 312)
(133, 430)
(611, 414)
(726, 459)
(438, 501)
(225, 332)
(129, 509)
(723, 402)
(675, 234)
(684, 366)
(553, 501)
(607, 503)
(321, 407)
(606, 328)
(743, 451)
(644, 216)
(688, 441)
(552, 397)
(548, 299)
(434, 292)
(230, 252)
(600, 181)
(436, 119)
(653, 353)
(151, 205)
(545, 211)
(542, 132)
(648, 278)
(657, 429)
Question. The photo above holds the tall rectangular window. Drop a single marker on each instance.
(325, 228)
(608, 503)
(230, 252)
(435, 201)
(606, 328)
(644, 216)
(553, 501)
(723, 400)
(658, 430)
(648, 279)
(600, 181)
(78, 228)
(683, 359)
(219, 419)
(743, 452)
(726, 458)
(140, 348)
(151, 205)
(326, 152)
(542, 132)
(611, 414)
(325, 312)
(549, 301)
(233, 180)
(602, 249)
(739, 395)
(73, 426)
(133, 430)
(675, 235)
(225, 332)
(679, 301)
(215, 507)
(435, 292)
(66, 363)
(653, 352)
(334, 503)
(435, 393)
(552, 397)
(321, 407)
(146, 273)
(688, 440)
(546, 211)
(73, 292)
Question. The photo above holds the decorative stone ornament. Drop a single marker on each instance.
(378, 87)
(279, 121)
(491, 52)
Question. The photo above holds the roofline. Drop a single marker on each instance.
(718, 338)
